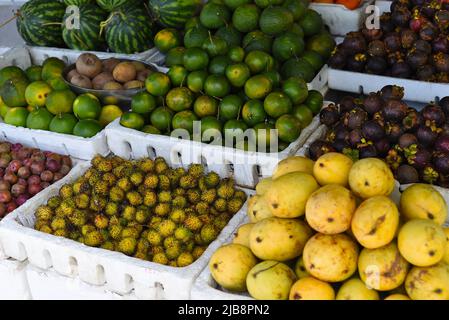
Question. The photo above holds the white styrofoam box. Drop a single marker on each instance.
(383, 6)
(118, 272)
(50, 285)
(320, 80)
(246, 167)
(15, 56)
(361, 83)
(13, 280)
(340, 19)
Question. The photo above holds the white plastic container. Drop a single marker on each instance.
(117, 272)
(13, 280)
(383, 5)
(361, 83)
(340, 19)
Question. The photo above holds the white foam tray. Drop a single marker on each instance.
(361, 83)
(246, 167)
(13, 280)
(384, 6)
(339, 19)
(117, 272)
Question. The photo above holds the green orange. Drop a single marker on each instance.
(205, 106)
(289, 128)
(151, 129)
(87, 128)
(63, 123)
(34, 73)
(36, 93)
(11, 72)
(158, 84)
(60, 101)
(274, 76)
(87, 106)
(39, 119)
(218, 65)
(13, 92)
(143, 103)
(258, 87)
(230, 107)
(195, 59)
(259, 61)
(161, 119)
(314, 101)
(174, 56)
(184, 120)
(304, 115)
(296, 89)
(238, 74)
(253, 112)
(108, 114)
(277, 104)
(132, 120)
(196, 80)
(167, 39)
(179, 99)
(16, 116)
(211, 129)
(52, 68)
(215, 46)
(217, 86)
(178, 75)
(236, 54)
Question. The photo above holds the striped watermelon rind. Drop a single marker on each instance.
(88, 36)
(39, 23)
(129, 30)
(173, 13)
(77, 2)
(111, 5)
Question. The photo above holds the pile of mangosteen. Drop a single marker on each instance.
(412, 43)
(415, 144)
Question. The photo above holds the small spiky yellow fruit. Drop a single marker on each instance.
(146, 165)
(136, 178)
(97, 204)
(154, 238)
(114, 220)
(143, 245)
(164, 196)
(109, 178)
(82, 201)
(86, 229)
(90, 172)
(155, 221)
(108, 245)
(188, 182)
(160, 258)
(193, 223)
(105, 165)
(46, 229)
(202, 208)
(142, 216)
(94, 178)
(220, 204)
(124, 184)
(101, 222)
(239, 194)
(179, 192)
(54, 202)
(222, 221)
(164, 183)
(202, 184)
(134, 198)
(129, 213)
(162, 209)
(96, 160)
(184, 259)
(234, 205)
(179, 202)
(209, 233)
(44, 212)
(127, 246)
(183, 234)
(198, 251)
(74, 235)
(209, 196)
(150, 198)
(157, 249)
(61, 233)
(66, 191)
(189, 245)
(226, 189)
(116, 194)
(205, 218)
(196, 170)
(151, 181)
(178, 215)
(115, 231)
(170, 242)
(212, 179)
(111, 209)
(40, 223)
(101, 188)
(194, 195)
(160, 166)
(93, 238)
(173, 252)
(67, 206)
(78, 218)
(130, 232)
(166, 228)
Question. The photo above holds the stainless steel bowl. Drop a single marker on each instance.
(121, 98)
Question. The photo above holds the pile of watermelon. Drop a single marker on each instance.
(122, 26)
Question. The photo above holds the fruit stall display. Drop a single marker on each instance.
(349, 4)
(415, 144)
(25, 172)
(344, 235)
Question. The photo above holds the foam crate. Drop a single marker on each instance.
(13, 280)
(117, 272)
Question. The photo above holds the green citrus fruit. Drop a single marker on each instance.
(184, 120)
(34, 73)
(275, 20)
(275, 78)
(193, 22)
(296, 29)
(289, 128)
(167, 39)
(259, 61)
(109, 113)
(58, 83)
(258, 87)
(13, 92)
(217, 86)
(246, 18)
(211, 129)
(233, 4)
(36, 93)
(277, 104)
(196, 80)
(205, 106)
(215, 46)
(298, 8)
(311, 23)
(52, 68)
(132, 120)
(87, 106)
(3, 109)
(143, 103)
(195, 59)
(298, 68)
(195, 37)
(39, 119)
(63, 123)
(218, 65)
(161, 119)
(16, 117)
(322, 43)
(230, 107)
(214, 16)
(253, 112)
(304, 115)
(314, 58)
(238, 74)
(158, 84)
(314, 101)
(87, 128)
(150, 129)
(179, 99)
(231, 35)
(11, 72)
(174, 56)
(234, 130)
(264, 135)
(257, 40)
(296, 89)
(236, 54)
(287, 45)
(60, 101)
(178, 75)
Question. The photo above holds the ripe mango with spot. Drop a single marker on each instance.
(293, 164)
(310, 288)
(332, 168)
(258, 209)
(356, 289)
(263, 186)
(242, 234)
(428, 283)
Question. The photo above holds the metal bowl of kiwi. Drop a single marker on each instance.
(113, 81)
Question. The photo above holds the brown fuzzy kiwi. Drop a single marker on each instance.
(99, 81)
(110, 64)
(143, 75)
(134, 84)
(138, 65)
(112, 85)
(88, 65)
(81, 81)
(124, 72)
(71, 74)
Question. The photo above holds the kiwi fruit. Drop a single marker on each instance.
(138, 65)
(110, 64)
(124, 72)
(134, 84)
(71, 74)
(112, 85)
(88, 65)
(100, 80)
(81, 81)
(143, 75)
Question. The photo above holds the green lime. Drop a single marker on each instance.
(63, 123)
(234, 129)
(322, 43)
(264, 134)
(167, 39)
(233, 4)
(257, 87)
(174, 56)
(196, 80)
(231, 35)
(287, 45)
(275, 78)
(184, 120)
(296, 89)
(217, 86)
(275, 20)
(193, 22)
(205, 106)
(246, 18)
(214, 16)
(314, 58)
(265, 3)
(87, 106)
(259, 61)
(215, 46)
(13, 92)
(16, 117)
(253, 112)
(179, 99)
(195, 59)
(296, 29)
(39, 119)
(34, 73)
(236, 54)
(132, 120)
(12, 72)
(218, 65)
(143, 103)
(158, 84)
(238, 74)
(211, 129)
(298, 8)
(161, 119)
(108, 114)
(60, 101)
(304, 115)
(298, 68)
(178, 75)
(36, 93)
(311, 23)
(150, 129)
(58, 83)
(277, 104)
(314, 101)
(230, 107)
(195, 37)
(3, 109)
(257, 40)
(52, 68)
(289, 128)
(87, 128)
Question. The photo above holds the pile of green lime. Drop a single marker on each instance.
(38, 98)
(240, 64)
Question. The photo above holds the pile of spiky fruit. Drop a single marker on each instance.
(329, 230)
(143, 208)
(109, 74)
(415, 144)
(39, 98)
(412, 42)
(24, 172)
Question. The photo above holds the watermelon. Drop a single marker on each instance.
(88, 35)
(39, 23)
(129, 30)
(77, 2)
(173, 13)
(111, 5)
